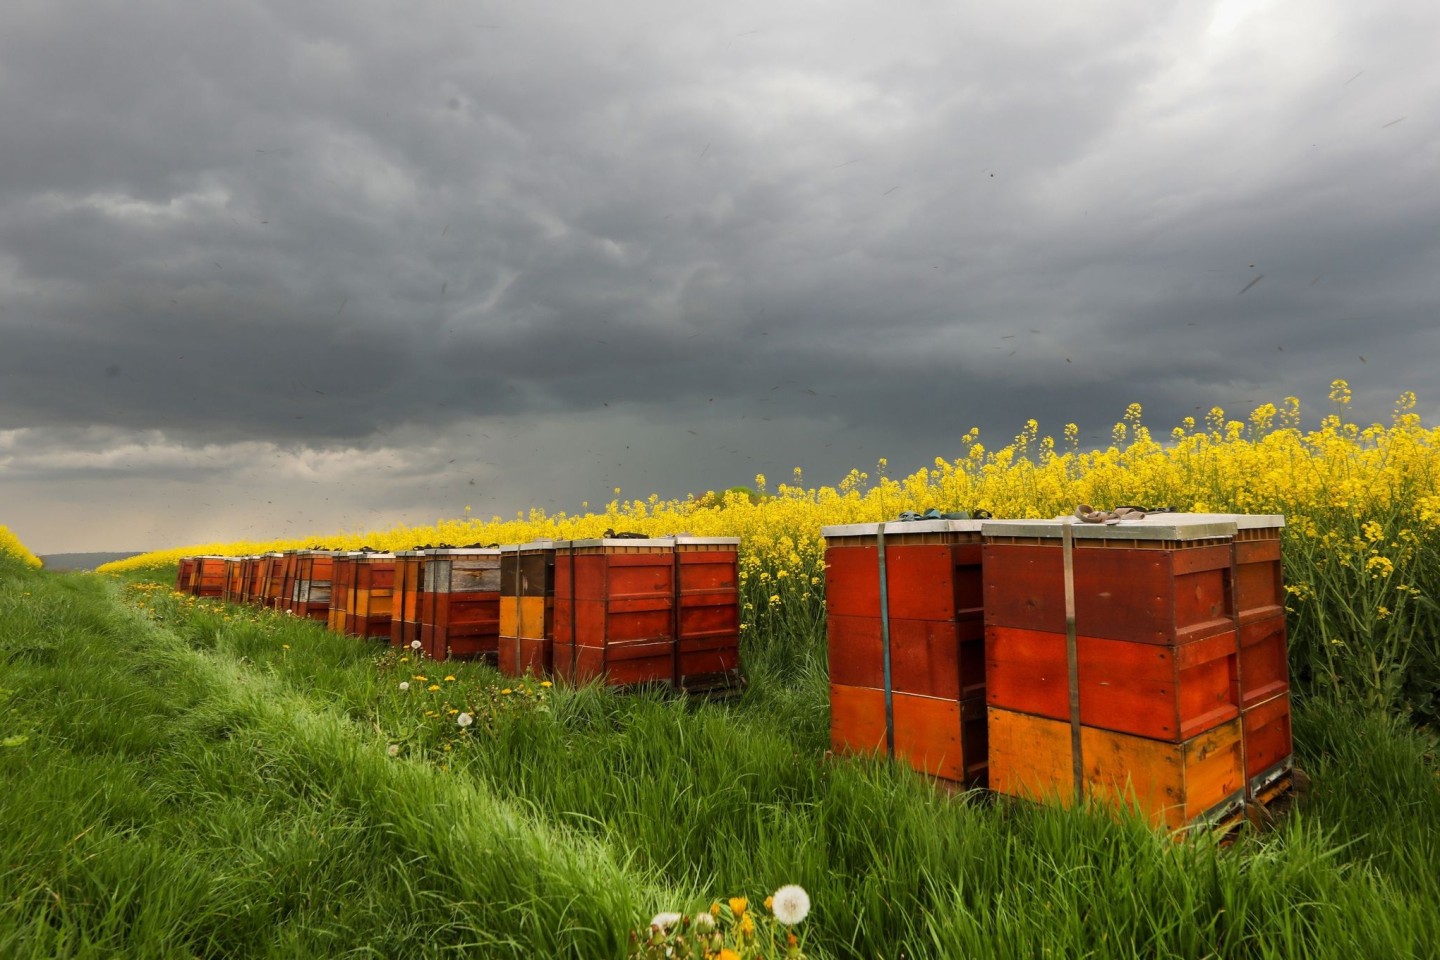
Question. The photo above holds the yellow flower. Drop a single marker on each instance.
(449, 677)
(747, 925)
(738, 905)
(507, 690)
(433, 687)
(727, 954)
(546, 683)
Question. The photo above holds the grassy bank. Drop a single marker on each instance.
(189, 780)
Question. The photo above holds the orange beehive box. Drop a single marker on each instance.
(460, 603)
(1165, 692)
(367, 606)
(652, 610)
(915, 639)
(942, 737)
(289, 574)
(527, 608)
(249, 568)
(234, 581)
(311, 595)
(342, 585)
(184, 573)
(405, 606)
(208, 577)
(277, 576)
(1173, 784)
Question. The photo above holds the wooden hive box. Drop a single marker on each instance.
(405, 606)
(928, 620)
(249, 577)
(527, 608)
(1164, 579)
(1269, 752)
(942, 737)
(460, 603)
(313, 571)
(371, 590)
(707, 613)
(184, 574)
(342, 586)
(1172, 784)
(208, 579)
(279, 578)
(614, 610)
(234, 582)
(1164, 692)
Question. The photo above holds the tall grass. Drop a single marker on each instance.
(204, 780)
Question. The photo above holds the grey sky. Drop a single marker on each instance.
(277, 268)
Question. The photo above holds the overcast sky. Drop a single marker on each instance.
(273, 268)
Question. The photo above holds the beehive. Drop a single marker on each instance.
(311, 593)
(234, 580)
(905, 635)
(527, 608)
(184, 574)
(279, 575)
(405, 606)
(368, 600)
(208, 577)
(655, 610)
(342, 585)
(460, 603)
(1148, 643)
(251, 570)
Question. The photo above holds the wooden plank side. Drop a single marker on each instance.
(1264, 660)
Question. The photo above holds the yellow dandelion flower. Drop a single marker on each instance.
(738, 905)
(449, 677)
(433, 687)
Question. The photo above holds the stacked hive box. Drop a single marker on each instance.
(658, 610)
(906, 643)
(368, 601)
(183, 574)
(527, 608)
(311, 595)
(405, 605)
(342, 586)
(250, 576)
(460, 603)
(1131, 650)
(207, 577)
(277, 578)
(289, 574)
(234, 580)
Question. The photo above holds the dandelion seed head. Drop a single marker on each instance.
(414, 644)
(393, 749)
(666, 920)
(404, 684)
(791, 904)
(464, 720)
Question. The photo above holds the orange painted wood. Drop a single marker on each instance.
(1162, 596)
(209, 577)
(234, 582)
(927, 657)
(1259, 579)
(290, 566)
(1264, 660)
(253, 571)
(342, 583)
(183, 574)
(1171, 784)
(1164, 692)
(371, 592)
(312, 586)
(277, 579)
(1268, 746)
(616, 664)
(405, 603)
(460, 604)
(943, 738)
(925, 581)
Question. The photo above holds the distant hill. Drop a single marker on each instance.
(82, 561)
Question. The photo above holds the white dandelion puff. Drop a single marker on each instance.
(791, 904)
(665, 920)
(414, 644)
(704, 922)
(393, 749)
(404, 684)
(464, 719)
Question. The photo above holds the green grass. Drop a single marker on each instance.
(191, 780)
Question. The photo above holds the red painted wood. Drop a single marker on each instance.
(1264, 660)
(1147, 595)
(927, 657)
(1259, 580)
(1267, 736)
(521, 655)
(1158, 691)
(925, 581)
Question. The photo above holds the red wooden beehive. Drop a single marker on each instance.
(405, 602)
(311, 594)
(234, 581)
(931, 620)
(527, 608)
(342, 583)
(658, 610)
(1175, 644)
(208, 576)
(184, 573)
(460, 603)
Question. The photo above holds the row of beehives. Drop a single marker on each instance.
(1142, 662)
(1040, 658)
(628, 610)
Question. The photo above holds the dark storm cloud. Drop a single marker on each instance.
(659, 247)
